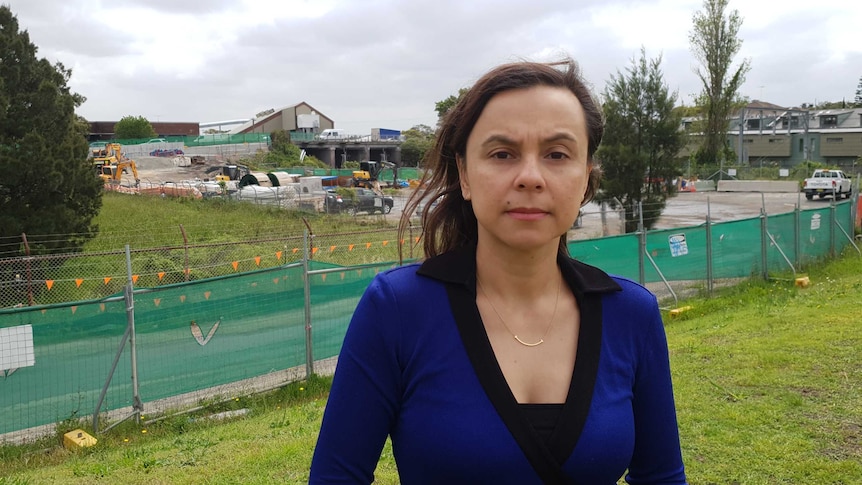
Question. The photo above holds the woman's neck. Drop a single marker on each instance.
(517, 273)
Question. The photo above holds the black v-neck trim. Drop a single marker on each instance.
(547, 459)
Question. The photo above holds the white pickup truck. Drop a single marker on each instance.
(827, 182)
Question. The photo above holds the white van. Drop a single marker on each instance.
(333, 134)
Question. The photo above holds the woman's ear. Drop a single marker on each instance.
(462, 177)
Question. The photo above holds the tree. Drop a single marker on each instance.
(282, 154)
(715, 42)
(641, 143)
(857, 101)
(443, 107)
(417, 141)
(133, 127)
(48, 187)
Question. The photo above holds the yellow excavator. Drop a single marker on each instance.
(113, 173)
(111, 153)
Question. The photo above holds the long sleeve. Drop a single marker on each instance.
(657, 458)
(364, 399)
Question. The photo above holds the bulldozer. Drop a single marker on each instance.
(368, 173)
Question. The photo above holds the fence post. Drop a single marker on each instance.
(832, 221)
(309, 356)
(797, 230)
(29, 269)
(709, 275)
(763, 242)
(641, 245)
(130, 316)
(186, 269)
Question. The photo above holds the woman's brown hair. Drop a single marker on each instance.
(451, 223)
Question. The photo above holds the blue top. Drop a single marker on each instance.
(417, 365)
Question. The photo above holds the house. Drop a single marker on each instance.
(763, 132)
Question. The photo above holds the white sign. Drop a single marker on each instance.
(678, 246)
(731, 172)
(16, 347)
(783, 172)
(815, 222)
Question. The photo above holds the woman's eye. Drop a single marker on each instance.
(557, 155)
(501, 155)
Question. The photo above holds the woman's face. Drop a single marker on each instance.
(526, 167)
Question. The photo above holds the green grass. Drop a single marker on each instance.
(766, 376)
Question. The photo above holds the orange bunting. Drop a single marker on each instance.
(207, 294)
(342, 275)
(187, 271)
(78, 282)
(161, 275)
(295, 250)
(332, 248)
(257, 260)
(350, 247)
(235, 265)
(385, 243)
(314, 250)
(358, 272)
(275, 281)
(182, 298)
(417, 239)
(49, 283)
(402, 241)
(323, 277)
(101, 307)
(107, 279)
(367, 245)
(254, 285)
(74, 309)
(157, 301)
(278, 255)
(135, 279)
(43, 311)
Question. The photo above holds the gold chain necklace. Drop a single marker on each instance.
(550, 323)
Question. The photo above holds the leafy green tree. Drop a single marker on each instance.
(443, 107)
(48, 189)
(133, 127)
(642, 140)
(715, 42)
(417, 141)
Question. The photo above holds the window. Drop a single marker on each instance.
(834, 140)
(748, 140)
(752, 124)
(776, 140)
(828, 121)
(801, 145)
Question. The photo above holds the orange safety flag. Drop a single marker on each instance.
(207, 294)
(235, 265)
(107, 279)
(314, 250)
(257, 260)
(367, 245)
(49, 283)
(74, 309)
(278, 255)
(342, 275)
(78, 282)
(295, 250)
(358, 272)
(101, 307)
(187, 271)
(161, 275)
(332, 248)
(385, 243)
(402, 241)
(417, 239)
(323, 277)
(275, 281)
(157, 301)
(350, 247)
(135, 279)
(182, 298)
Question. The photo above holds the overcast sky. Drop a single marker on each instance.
(384, 63)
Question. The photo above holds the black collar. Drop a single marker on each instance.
(459, 266)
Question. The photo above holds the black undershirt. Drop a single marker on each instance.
(543, 418)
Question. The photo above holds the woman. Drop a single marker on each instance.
(500, 359)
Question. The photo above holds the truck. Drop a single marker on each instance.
(827, 182)
(383, 134)
(368, 174)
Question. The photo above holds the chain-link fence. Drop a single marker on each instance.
(118, 333)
